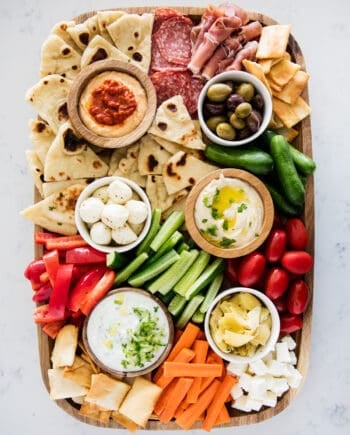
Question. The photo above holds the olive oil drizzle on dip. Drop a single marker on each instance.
(229, 212)
(127, 331)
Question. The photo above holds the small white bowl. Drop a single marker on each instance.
(236, 77)
(262, 350)
(83, 228)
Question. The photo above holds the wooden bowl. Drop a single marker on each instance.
(267, 220)
(80, 83)
(144, 296)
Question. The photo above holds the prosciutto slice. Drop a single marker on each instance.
(250, 31)
(247, 52)
(231, 10)
(222, 57)
(211, 14)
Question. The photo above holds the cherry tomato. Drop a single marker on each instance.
(290, 323)
(251, 269)
(298, 297)
(281, 304)
(298, 262)
(231, 270)
(296, 234)
(276, 283)
(275, 245)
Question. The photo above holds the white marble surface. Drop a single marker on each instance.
(322, 29)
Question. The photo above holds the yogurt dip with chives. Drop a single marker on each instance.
(127, 331)
(229, 212)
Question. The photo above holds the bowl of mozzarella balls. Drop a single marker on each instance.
(113, 214)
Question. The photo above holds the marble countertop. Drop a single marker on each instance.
(322, 29)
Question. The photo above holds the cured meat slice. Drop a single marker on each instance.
(159, 63)
(174, 40)
(163, 14)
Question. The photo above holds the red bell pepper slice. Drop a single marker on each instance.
(34, 269)
(42, 315)
(65, 242)
(43, 294)
(52, 329)
(85, 255)
(52, 262)
(83, 287)
(101, 288)
(40, 237)
(60, 291)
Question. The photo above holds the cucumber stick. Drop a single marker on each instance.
(167, 246)
(193, 273)
(155, 224)
(198, 316)
(172, 223)
(216, 267)
(153, 270)
(176, 305)
(124, 274)
(165, 282)
(189, 310)
(116, 260)
(211, 293)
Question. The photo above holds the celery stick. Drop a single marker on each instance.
(211, 293)
(154, 269)
(189, 310)
(155, 224)
(183, 247)
(166, 298)
(124, 274)
(193, 273)
(176, 305)
(173, 223)
(216, 267)
(198, 317)
(166, 246)
(165, 282)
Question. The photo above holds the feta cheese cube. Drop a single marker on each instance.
(269, 399)
(236, 392)
(290, 342)
(241, 404)
(258, 387)
(279, 386)
(237, 368)
(245, 381)
(276, 368)
(258, 367)
(254, 404)
(282, 352)
(293, 358)
(294, 378)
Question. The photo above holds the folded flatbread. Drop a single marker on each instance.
(158, 194)
(131, 33)
(61, 29)
(128, 166)
(173, 122)
(70, 157)
(152, 156)
(56, 212)
(36, 169)
(49, 99)
(83, 33)
(51, 187)
(58, 57)
(100, 49)
(41, 137)
(104, 19)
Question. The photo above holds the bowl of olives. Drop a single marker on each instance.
(234, 108)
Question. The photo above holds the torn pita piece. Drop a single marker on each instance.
(152, 156)
(61, 29)
(36, 169)
(100, 49)
(158, 194)
(104, 19)
(41, 137)
(82, 33)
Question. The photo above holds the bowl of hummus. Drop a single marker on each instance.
(111, 103)
(229, 213)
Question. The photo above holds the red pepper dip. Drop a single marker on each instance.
(113, 104)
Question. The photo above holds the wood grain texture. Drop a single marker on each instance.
(303, 337)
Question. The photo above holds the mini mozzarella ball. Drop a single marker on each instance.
(100, 233)
(102, 194)
(114, 215)
(124, 235)
(119, 192)
(137, 211)
(90, 210)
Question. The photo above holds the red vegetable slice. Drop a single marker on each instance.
(52, 262)
(60, 291)
(65, 242)
(85, 255)
(101, 288)
(40, 237)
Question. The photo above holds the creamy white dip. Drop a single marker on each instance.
(229, 212)
(127, 331)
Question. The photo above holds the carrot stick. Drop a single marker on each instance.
(181, 408)
(218, 403)
(174, 369)
(205, 382)
(187, 419)
(223, 417)
(176, 396)
(200, 348)
(184, 357)
(186, 340)
(164, 398)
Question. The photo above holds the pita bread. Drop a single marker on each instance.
(177, 206)
(49, 99)
(131, 33)
(158, 194)
(62, 388)
(70, 157)
(57, 57)
(104, 19)
(139, 403)
(61, 29)
(83, 33)
(173, 122)
(183, 170)
(152, 156)
(51, 187)
(100, 49)
(79, 372)
(128, 166)
(41, 137)
(117, 155)
(106, 392)
(174, 148)
(56, 212)
(65, 346)
(36, 169)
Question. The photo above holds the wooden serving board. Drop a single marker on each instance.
(303, 337)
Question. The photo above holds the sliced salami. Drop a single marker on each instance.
(174, 40)
(159, 63)
(163, 14)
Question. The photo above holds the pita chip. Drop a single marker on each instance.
(36, 169)
(257, 70)
(104, 19)
(56, 212)
(49, 99)
(106, 392)
(131, 33)
(58, 57)
(63, 388)
(70, 157)
(283, 71)
(79, 372)
(124, 421)
(273, 41)
(158, 194)
(41, 137)
(100, 49)
(293, 89)
(173, 122)
(291, 114)
(65, 346)
(289, 133)
(183, 170)
(83, 33)
(152, 156)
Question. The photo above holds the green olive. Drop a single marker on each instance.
(213, 122)
(225, 131)
(246, 90)
(236, 122)
(243, 110)
(218, 92)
